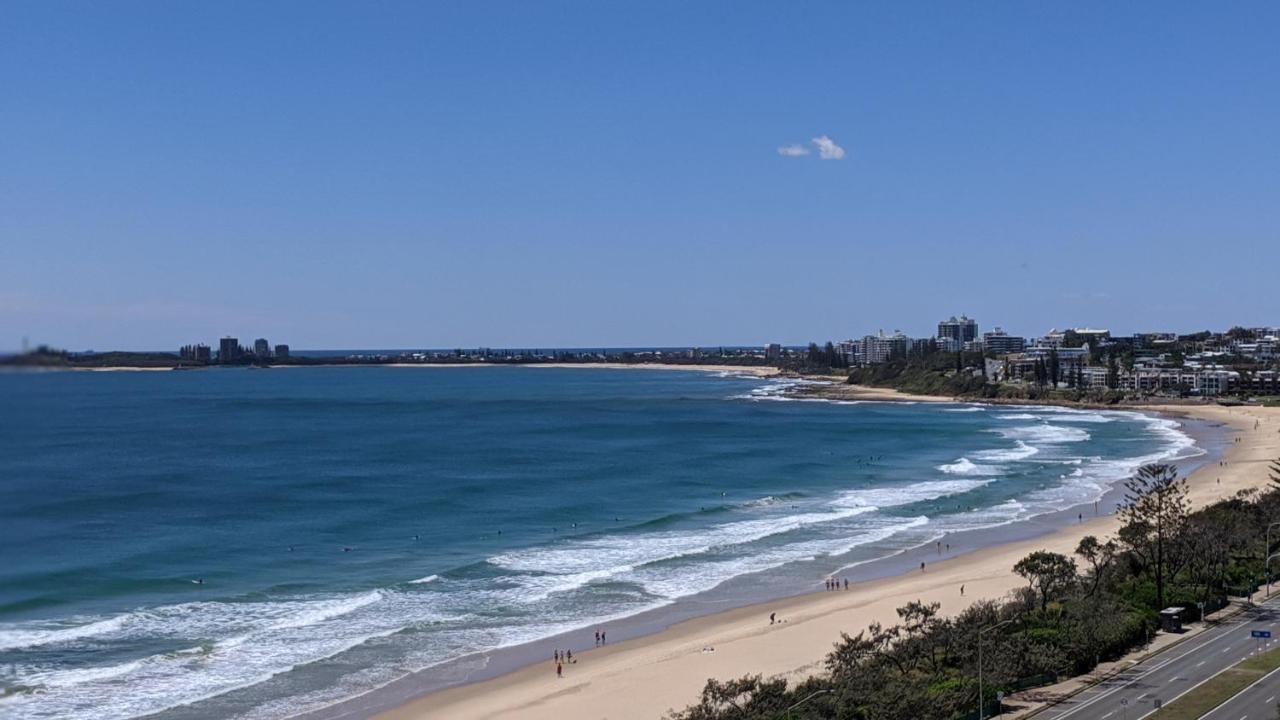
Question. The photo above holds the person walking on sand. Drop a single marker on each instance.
(568, 656)
(846, 583)
(597, 638)
(559, 670)
(921, 567)
(962, 591)
(603, 640)
(773, 617)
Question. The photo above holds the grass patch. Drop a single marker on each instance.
(1264, 663)
(1221, 688)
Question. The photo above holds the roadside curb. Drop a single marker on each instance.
(1238, 609)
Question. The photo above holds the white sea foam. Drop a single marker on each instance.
(1043, 433)
(965, 466)
(965, 409)
(23, 635)
(319, 612)
(1016, 416)
(248, 642)
(677, 582)
(885, 497)
(423, 580)
(1080, 417)
(244, 643)
(627, 551)
(1095, 476)
(1020, 451)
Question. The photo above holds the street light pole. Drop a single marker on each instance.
(1267, 555)
(806, 699)
(982, 706)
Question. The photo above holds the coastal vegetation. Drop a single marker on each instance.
(1074, 613)
(965, 375)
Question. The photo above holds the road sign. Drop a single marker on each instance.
(1260, 634)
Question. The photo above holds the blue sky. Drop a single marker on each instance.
(606, 173)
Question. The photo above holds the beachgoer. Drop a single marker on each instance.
(568, 656)
(602, 638)
(559, 670)
(597, 637)
(846, 583)
(773, 618)
(921, 567)
(962, 591)
(556, 655)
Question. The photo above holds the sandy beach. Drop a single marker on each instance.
(645, 677)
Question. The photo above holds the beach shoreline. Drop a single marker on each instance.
(645, 676)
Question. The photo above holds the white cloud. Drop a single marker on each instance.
(827, 148)
(793, 151)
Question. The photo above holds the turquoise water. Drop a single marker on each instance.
(351, 525)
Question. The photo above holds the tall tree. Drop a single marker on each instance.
(1154, 511)
(1099, 555)
(1048, 572)
(1055, 367)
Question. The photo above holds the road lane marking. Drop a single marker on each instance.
(1207, 638)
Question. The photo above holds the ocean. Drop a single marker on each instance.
(257, 542)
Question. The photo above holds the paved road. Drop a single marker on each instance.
(1256, 702)
(1132, 694)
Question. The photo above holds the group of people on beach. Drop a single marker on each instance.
(562, 659)
(834, 583)
(565, 657)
